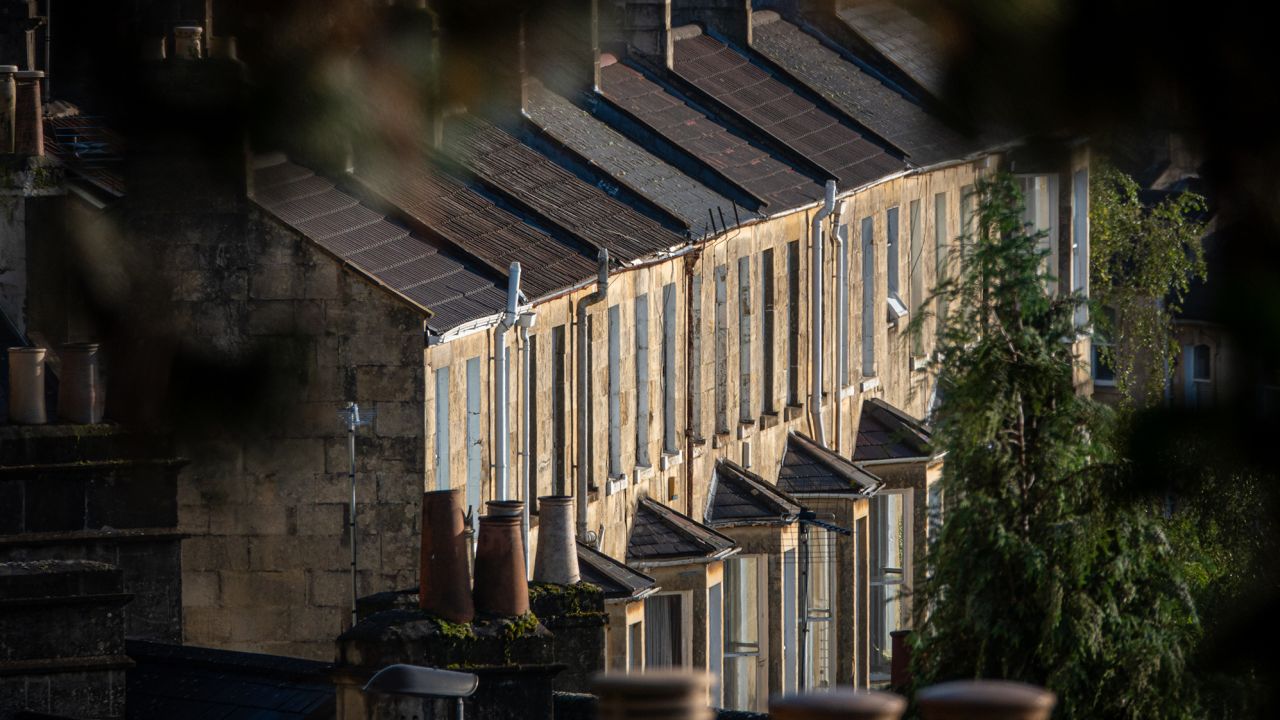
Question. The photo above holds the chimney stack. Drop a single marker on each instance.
(80, 384)
(654, 695)
(187, 43)
(28, 114)
(564, 45)
(482, 57)
(444, 578)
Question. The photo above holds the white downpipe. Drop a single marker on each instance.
(817, 271)
(584, 432)
(502, 412)
(842, 322)
(526, 462)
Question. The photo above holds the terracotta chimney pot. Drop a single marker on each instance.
(26, 386)
(654, 694)
(557, 558)
(444, 576)
(985, 700)
(501, 588)
(504, 508)
(839, 704)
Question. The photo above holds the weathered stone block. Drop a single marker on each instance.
(261, 589)
(200, 590)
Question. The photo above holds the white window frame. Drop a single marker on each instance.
(897, 310)
(1032, 185)
(826, 617)
(686, 627)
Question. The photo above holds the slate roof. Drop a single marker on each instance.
(740, 497)
(619, 581)
(887, 433)
(775, 183)
(88, 148)
(660, 533)
(553, 192)
(451, 287)
(858, 94)
(475, 224)
(775, 108)
(807, 468)
(903, 39)
(181, 681)
(628, 164)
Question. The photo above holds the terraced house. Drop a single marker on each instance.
(658, 255)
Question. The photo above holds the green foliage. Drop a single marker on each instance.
(1038, 574)
(1142, 262)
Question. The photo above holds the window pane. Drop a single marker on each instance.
(742, 612)
(663, 618)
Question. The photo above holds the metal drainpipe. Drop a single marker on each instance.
(816, 302)
(842, 322)
(502, 412)
(525, 461)
(584, 432)
(803, 620)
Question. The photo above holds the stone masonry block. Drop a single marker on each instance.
(200, 590)
(329, 588)
(262, 589)
(202, 553)
(386, 383)
(290, 455)
(206, 626)
(399, 419)
(253, 624)
(275, 282)
(270, 317)
(308, 624)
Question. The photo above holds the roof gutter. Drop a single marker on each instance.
(703, 560)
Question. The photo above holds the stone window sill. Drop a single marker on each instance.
(670, 460)
(768, 420)
(870, 383)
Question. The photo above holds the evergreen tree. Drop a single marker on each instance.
(1039, 574)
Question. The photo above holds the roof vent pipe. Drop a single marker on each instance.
(584, 360)
(816, 302)
(502, 411)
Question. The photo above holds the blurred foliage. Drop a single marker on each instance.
(1040, 573)
(1142, 261)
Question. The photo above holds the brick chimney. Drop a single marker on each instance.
(646, 30)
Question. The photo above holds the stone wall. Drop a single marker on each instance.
(266, 566)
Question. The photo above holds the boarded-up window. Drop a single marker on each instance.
(868, 299)
(916, 271)
(767, 332)
(559, 440)
(643, 417)
(722, 349)
(793, 323)
(744, 339)
(670, 441)
(615, 391)
(694, 361)
(475, 451)
(442, 428)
